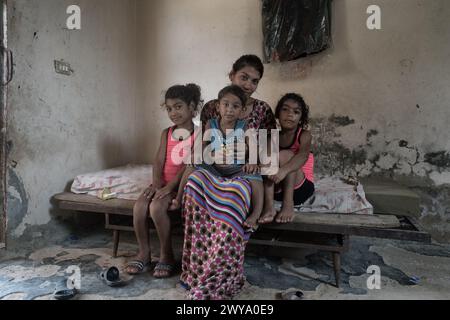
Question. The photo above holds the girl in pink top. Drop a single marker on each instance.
(294, 182)
(182, 104)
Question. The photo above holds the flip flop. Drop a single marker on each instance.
(161, 266)
(291, 295)
(139, 265)
(251, 229)
(65, 294)
(111, 277)
(184, 285)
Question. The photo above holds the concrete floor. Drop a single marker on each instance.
(408, 271)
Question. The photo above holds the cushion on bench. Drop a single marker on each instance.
(126, 182)
(335, 195)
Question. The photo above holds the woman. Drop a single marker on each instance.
(215, 208)
(247, 73)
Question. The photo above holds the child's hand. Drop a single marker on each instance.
(279, 177)
(251, 168)
(150, 192)
(164, 192)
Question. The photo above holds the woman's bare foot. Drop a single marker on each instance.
(285, 215)
(252, 221)
(268, 216)
(175, 205)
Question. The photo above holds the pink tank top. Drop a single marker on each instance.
(308, 167)
(176, 152)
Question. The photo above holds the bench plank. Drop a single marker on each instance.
(374, 221)
(87, 203)
(378, 226)
(76, 202)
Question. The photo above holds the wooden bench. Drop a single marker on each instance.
(327, 232)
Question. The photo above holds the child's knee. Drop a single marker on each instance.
(154, 205)
(291, 178)
(141, 205)
(300, 175)
(286, 156)
(156, 208)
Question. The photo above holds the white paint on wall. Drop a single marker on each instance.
(440, 178)
(62, 126)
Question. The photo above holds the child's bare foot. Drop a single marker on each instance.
(268, 216)
(175, 205)
(251, 221)
(285, 215)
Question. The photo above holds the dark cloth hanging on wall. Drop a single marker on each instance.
(295, 28)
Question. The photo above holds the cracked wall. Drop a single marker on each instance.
(426, 173)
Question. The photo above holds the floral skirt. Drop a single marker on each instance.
(214, 210)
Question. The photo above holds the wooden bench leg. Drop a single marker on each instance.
(337, 268)
(116, 237)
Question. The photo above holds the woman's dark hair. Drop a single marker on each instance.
(236, 91)
(249, 60)
(190, 93)
(304, 120)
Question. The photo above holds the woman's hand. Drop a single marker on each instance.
(251, 169)
(279, 177)
(163, 192)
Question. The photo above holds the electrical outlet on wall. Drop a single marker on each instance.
(63, 67)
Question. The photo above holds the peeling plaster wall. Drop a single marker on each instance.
(379, 99)
(61, 126)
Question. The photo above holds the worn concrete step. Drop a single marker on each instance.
(389, 197)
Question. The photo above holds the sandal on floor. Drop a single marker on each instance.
(291, 295)
(184, 285)
(167, 267)
(65, 294)
(138, 265)
(111, 277)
